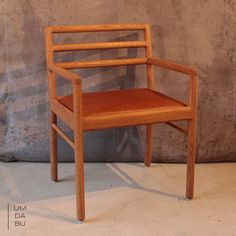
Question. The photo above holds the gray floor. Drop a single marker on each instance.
(121, 199)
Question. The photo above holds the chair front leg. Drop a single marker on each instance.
(79, 174)
(53, 148)
(191, 158)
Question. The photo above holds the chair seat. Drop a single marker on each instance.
(135, 106)
(121, 101)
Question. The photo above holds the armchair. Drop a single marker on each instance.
(84, 112)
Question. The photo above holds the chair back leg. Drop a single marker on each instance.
(53, 148)
(149, 144)
(191, 158)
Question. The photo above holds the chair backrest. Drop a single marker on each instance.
(51, 48)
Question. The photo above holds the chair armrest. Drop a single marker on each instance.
(74, 78)
(192, 100)
(171, 66)
(77, 87)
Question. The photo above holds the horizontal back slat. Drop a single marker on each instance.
(94, 46)
(52, 48)
(102, 63)
(97, 28)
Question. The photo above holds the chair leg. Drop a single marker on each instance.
(191, 158)
(79, 175)
(148, 155)
(53, 148)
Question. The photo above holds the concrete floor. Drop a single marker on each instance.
(121, 199)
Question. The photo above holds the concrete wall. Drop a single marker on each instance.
(200, 33)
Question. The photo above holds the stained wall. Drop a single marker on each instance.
(198, 33)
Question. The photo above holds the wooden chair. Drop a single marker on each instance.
(101, 110)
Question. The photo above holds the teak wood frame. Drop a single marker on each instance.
(75, 118)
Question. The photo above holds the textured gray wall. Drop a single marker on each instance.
(200, 33)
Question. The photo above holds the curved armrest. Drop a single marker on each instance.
(74, 78)
(171, 66)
